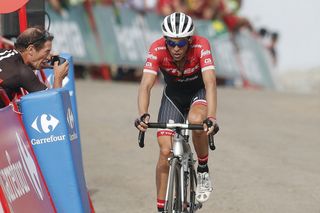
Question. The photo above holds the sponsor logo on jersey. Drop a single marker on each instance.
(197, 46)
(151, 56)
(191, 70)
(187, 79)
(172, 71)
(204, 53)
(187, 71)
(148, 64)
(207, 61)
(160, 48)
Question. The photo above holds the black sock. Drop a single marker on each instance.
(203, 164)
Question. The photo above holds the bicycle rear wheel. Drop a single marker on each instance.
(173, 198)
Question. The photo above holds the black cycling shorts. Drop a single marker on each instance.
(175, 106)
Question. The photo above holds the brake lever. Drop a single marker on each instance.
(141, 139)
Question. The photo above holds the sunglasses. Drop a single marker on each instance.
(180, 43)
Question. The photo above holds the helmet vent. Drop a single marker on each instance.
(177, 22)
(184, 26)
(170, 24)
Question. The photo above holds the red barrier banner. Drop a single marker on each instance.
(21, 180)
(4, 208)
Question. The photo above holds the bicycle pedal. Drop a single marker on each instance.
(198, 205)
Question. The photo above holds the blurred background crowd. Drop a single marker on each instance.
(229, 12)
(201, 9)
(224, 10)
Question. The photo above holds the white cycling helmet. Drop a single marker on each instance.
(177, 25)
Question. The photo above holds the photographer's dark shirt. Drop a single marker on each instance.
(14, 74)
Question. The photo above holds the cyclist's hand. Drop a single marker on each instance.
(142, 122)
(208, 125)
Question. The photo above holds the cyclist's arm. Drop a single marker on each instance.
(147, 82)
(209, 79)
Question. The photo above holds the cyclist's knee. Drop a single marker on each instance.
(195, 118)
(165, 153)
(163, 159)
(165, 145)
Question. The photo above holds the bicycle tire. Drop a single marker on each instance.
(173, 202)
(189, 190)
(192, 192)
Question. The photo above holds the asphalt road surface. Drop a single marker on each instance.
(267, 157)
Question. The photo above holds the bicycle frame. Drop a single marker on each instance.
(182, 175)
(182, 152)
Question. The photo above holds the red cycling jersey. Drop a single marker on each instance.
(198, 60)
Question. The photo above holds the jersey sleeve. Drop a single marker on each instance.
(30, 82)
(206, 59)
(152, 62)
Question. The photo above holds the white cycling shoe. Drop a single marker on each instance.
(204, 187)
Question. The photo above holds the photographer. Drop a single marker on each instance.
(31, 52)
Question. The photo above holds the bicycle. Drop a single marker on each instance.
(180, 194)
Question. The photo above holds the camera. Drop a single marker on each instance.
(56, 58)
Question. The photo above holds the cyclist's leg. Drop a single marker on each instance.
(168, 113)
(162, 170)
(197, 113)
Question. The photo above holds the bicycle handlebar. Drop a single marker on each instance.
(181, 126)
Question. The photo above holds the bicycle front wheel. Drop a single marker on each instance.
(190, 191)
(173, 198)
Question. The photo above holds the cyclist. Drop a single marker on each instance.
(31, 52)
(186, 63)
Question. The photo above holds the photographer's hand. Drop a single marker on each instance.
(60, 72)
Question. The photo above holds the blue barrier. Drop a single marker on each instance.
(51, 125)
(68, 83)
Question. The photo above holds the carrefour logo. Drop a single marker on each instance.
(70, 118)
(47, 123)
